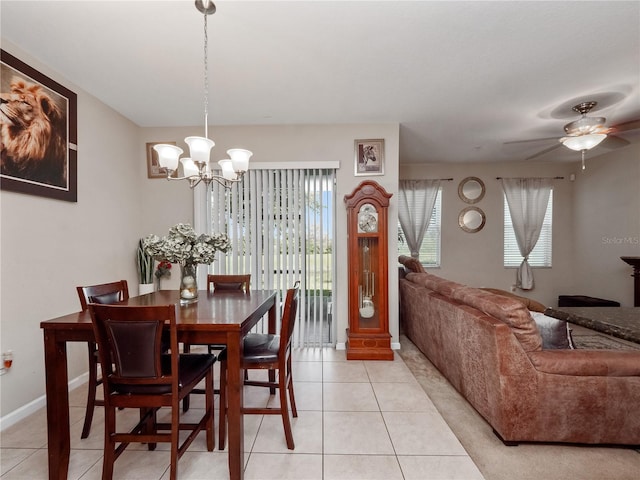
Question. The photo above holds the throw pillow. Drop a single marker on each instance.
(555, 333)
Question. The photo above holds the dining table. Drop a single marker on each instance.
(220, 317)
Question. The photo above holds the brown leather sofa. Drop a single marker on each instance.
(490, 350)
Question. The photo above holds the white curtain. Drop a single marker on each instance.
(415, 206)
(527, 199)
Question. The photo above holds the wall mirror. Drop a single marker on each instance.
(471, 190)
(471, 219)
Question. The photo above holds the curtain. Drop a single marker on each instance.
(527, 199)
(415, 206)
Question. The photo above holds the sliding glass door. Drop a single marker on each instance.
(281, 226)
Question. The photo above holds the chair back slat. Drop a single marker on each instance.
(111, 292)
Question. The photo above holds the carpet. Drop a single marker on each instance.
(600, 342)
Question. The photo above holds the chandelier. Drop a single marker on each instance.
(196, 168)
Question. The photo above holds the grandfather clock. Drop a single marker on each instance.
(368, 335)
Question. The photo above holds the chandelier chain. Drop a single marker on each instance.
(206, 79)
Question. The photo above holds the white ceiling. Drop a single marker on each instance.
(461, 78)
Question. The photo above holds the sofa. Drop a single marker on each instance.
(490, 349)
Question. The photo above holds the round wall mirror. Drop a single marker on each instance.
(471, 190)
(471, 219)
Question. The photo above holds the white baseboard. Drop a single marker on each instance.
(35, 405)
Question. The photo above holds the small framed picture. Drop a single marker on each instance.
(369, 157)
(153, 165)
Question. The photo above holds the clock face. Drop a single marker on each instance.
(367, 219)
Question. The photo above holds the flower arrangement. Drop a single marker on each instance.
(182, 245)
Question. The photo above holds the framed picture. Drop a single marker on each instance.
(369, 157)
(38, 122)
(153, 166)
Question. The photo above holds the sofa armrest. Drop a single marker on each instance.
(600, 363)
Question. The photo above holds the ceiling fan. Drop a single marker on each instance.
(587, 132)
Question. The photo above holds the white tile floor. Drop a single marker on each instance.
(356, 420)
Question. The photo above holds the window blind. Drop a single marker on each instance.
(281, 226)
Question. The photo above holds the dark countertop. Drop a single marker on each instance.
(621, 322)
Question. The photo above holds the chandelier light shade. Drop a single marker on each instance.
(196, 167)
(583, 142)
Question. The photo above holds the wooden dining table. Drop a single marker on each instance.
(222, 317)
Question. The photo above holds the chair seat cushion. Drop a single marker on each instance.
(190, 368)
(261, 347)
(258, 347)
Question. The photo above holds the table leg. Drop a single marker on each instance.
(235, 421)
(59, 446)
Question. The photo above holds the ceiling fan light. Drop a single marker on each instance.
(583, 142)
(584, 125)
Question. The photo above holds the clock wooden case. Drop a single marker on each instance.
(368, 335)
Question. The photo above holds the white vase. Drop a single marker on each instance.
(144, 288)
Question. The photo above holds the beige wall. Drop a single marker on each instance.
(607, 225)
(50, 246)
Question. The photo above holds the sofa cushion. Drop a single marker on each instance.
(555, 333)
(509, 310)
(432, 282)
(531, 304)
(411, 264)
(591, 363)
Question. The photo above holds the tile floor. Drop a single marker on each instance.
(356, 420)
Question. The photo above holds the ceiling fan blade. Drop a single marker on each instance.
(626, 126)
(532, 140)
(614, 142)
(542, 152)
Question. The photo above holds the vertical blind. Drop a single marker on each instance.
(280, 223)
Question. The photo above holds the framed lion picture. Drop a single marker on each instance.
(38, 124)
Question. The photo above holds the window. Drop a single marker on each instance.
(430, 248)
(541, 254)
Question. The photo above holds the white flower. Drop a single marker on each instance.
(183, 246)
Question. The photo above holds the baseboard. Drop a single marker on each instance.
(35, 405)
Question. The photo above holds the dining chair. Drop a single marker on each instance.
(219, 282)
(112, 292)
(228, 282)
(137, 374)
(266, 351)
